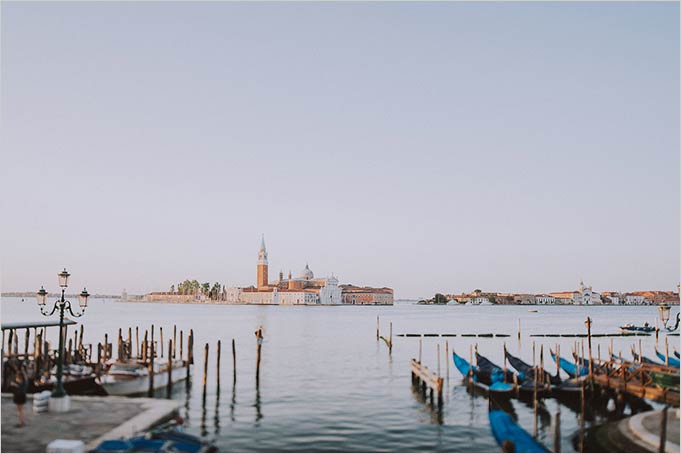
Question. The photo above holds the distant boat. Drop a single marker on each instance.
(532, 310)
(637, 329)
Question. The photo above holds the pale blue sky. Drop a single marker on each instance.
(425, 147)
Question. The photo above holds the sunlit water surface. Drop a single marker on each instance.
(327, 384)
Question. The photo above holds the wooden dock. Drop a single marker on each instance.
(427, 381)
(636, 379)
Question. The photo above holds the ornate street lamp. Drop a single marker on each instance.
(664, 314)
(61, 305)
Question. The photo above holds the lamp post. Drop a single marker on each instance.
(664, 314)
(61, 305)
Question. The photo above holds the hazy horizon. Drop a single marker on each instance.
(437, 147)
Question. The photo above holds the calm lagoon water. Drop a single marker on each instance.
(326, 384)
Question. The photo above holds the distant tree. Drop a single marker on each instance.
(440, 299)
(215, 291)
(172, 289)
(205, 288)
(477, 290)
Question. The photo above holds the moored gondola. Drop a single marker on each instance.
(489, 380)
(508, 434)
(673, 362)
(525, 386)
(529, 371)
(573, 370)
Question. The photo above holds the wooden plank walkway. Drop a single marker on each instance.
(427, 381)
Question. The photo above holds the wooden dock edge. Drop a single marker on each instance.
(154, 412)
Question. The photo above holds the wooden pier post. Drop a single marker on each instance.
(420, 347)
(504, 361)
(99, 353)
(190, 346)
(169, 389)
(174, 339)
(438, 359)
(378, 334)
(145, 343)
(640, 352)
(119, 345)
(205, 368)
(447, 358)
(390, 345)
(556, 433)
(67, 357)
(160, 337)
(234, 359)
(190, 352)
(129, 352)
(80, 339)
(666, 352)
(217, 366)
(518, 329)
(152, 337)
(610, 350)
(657, 330)
(259, 340)
(27, 339)
(663, 430)
(181, 343)
(106, 346)
(151, 368)
(591, 360)
(137, 343)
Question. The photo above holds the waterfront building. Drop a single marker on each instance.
(367, 295)
(544, 299)
(583, 295)
(305, 289)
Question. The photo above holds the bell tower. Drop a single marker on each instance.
(262, 265)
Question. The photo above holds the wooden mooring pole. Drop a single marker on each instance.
(137, 342)
(556, 433)
(591, 359)
(217, 366)
(169, 388)
(447, 359)
(160, 337)
(174, 339)
(663, 430)
(378, 334)
(259, 340)
(205, 368)
(234, 359)
(151, 369)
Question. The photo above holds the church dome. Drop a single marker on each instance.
(307, 273)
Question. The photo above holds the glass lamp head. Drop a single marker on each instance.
(64, 278)
(82, 298)
(41, 296)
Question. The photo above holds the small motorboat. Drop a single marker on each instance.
(508, 434)
(129, 378)
(630, 328)
(532, 310)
